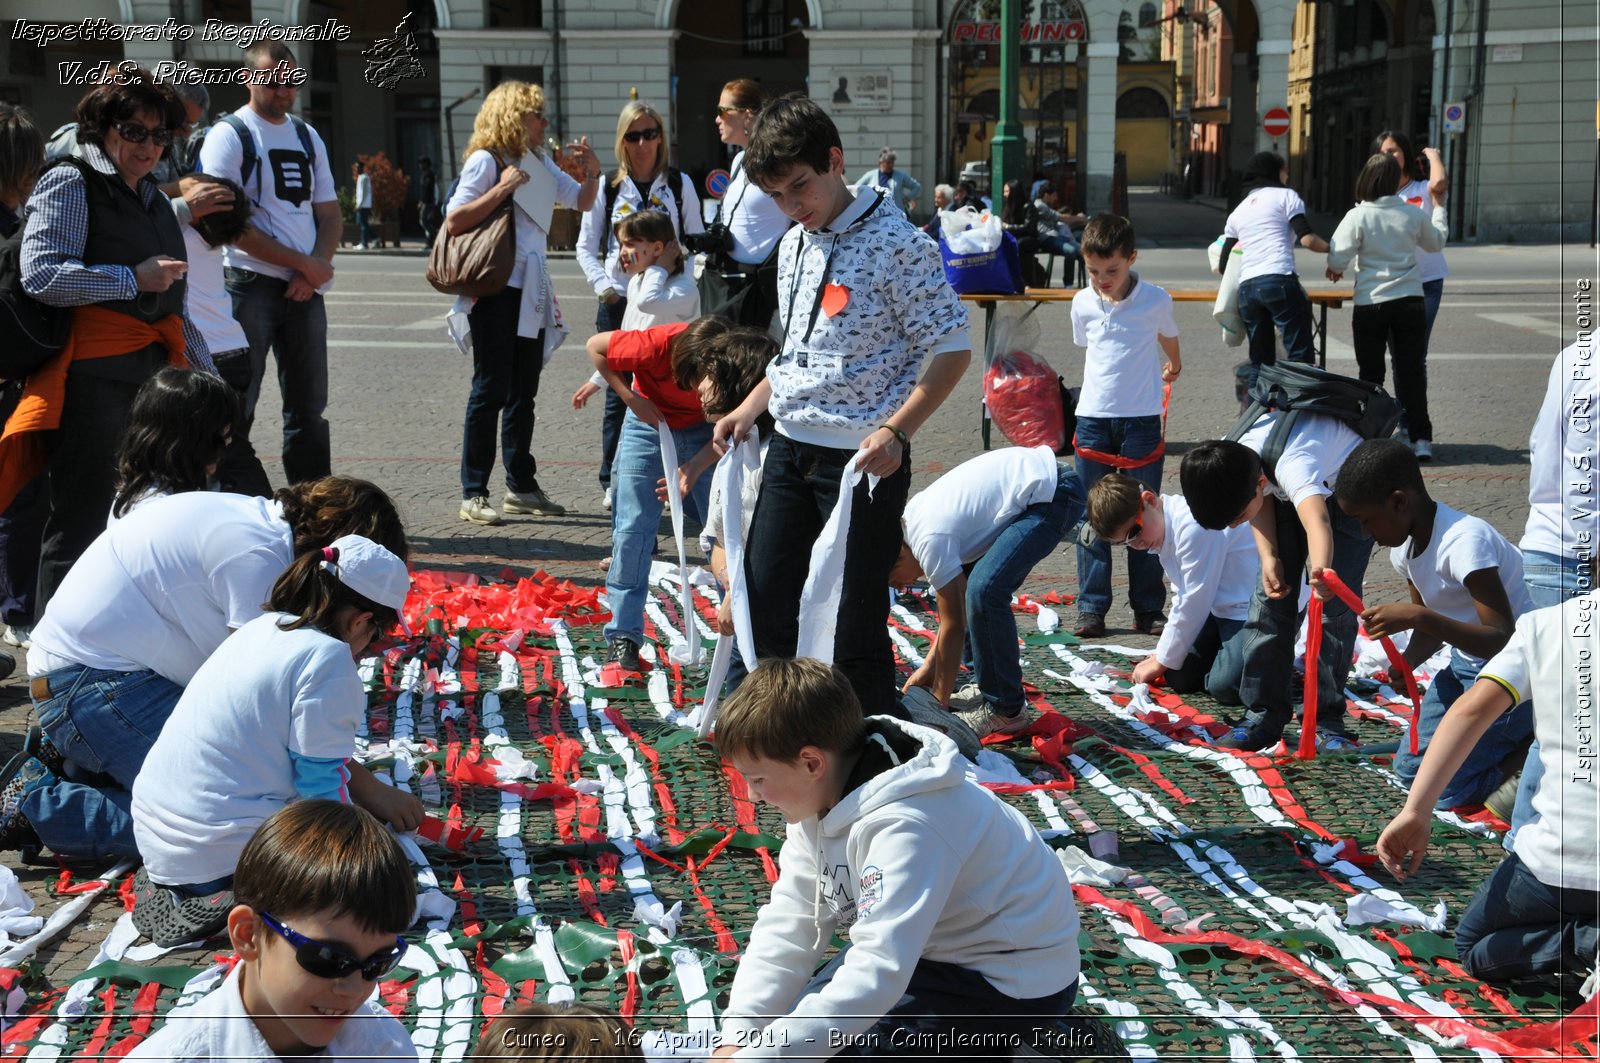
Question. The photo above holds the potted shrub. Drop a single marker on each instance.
(389, 184)
(564, 223)
(347, 211)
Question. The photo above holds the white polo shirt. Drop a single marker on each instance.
(1122, 368)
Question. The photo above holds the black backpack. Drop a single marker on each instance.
(31, 332)
(252, 160)
(1294, 389)
(614, 189)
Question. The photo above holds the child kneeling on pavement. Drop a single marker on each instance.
(960, 918)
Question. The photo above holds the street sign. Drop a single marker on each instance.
(1275, 123)
(717, 183)
(1455, 117)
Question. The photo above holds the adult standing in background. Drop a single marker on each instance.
(943, 199)
(364, 205)
(897, 186)
(741, 272)
(22, 522)
(515, 330)
(278, 271)
(428, 212)
(641, 181)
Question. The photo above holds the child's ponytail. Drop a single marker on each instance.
(309, 590)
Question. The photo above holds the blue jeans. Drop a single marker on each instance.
(1551, 580)
(636, 515)
(104, 723)
(946, 1001)
(609, 319)
(1516, 925)
(1480, 773)
(364, 222)
(991, 625)
(1132, 437)
(1264, 683)
(1215, 662)
(1276, 300)
(297, 335)
(505, 385)
(799, 487)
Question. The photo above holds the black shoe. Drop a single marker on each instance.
(624, 652)
(168, 919)
(1250, 737)
(1149, 623)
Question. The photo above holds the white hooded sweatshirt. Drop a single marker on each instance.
(917, 861)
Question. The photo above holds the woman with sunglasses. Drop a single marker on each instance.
(641, 181)
(741, 280)
(516, 330)
(99, 236)
(324, 892)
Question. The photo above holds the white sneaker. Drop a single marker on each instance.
(606, 501)
(985, 721)
(1423, 449)
(20, 637)
(478, 510)
(966, 697)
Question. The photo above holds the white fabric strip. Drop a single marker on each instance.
(689, 651)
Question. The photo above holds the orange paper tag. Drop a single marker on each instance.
(835, 297)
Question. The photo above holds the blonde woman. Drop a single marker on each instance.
(641, 181)
(515, 331)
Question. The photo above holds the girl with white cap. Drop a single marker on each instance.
(269, 718)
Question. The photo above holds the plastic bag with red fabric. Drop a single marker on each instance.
(1024, 395)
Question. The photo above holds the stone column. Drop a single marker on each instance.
(1097, 111)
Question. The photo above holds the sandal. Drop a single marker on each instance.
(168, 919)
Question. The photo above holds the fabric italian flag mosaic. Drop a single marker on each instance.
(593, 848)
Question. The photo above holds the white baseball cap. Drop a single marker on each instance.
(370, 570)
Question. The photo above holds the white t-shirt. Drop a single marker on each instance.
(160, 590)
(266, 692)
(1213, 573)
(283, 187)
(1261, 225)
(1548, 661)
(753, 219)
(960, 515)
(656, 297)
(481, 172)
(364, 192)
(1122, 369)
(1311, 455)
(1461, 545)
(1563, 518)
(207, 300)
(1430, 264)
(217, 1027)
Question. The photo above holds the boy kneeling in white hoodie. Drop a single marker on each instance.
(963, 932)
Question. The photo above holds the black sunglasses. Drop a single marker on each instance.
(334, 961)
(723, 109)
(138, 133)
(651, 135)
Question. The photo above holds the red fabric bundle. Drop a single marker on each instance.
(1024, 399)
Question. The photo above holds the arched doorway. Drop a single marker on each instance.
(1144, 134)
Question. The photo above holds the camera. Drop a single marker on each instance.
(715, 239)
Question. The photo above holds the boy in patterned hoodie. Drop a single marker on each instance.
(863, 310)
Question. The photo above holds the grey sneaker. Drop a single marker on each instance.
(1423, 449)
(478, 510)
(534, 503)
(985, 721)
(925, 710)
(966, 696)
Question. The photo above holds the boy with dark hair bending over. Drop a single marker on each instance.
(1467, 592)
(323, 893)
(864, 309)
(960, 918)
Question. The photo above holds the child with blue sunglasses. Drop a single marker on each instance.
(324, 891)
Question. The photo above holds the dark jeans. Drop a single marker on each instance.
(240, 469)
(1401, 326)
(1264, 685)
(83, 463)
(1516, 926)
(1130, 437)
(297, 335)
(21, 532)
(799, 487)
(1276, 300)
(1215, 662)
(945, 1002)
(364, 223)
(1481, 771)
(609, 319)
(505, 383)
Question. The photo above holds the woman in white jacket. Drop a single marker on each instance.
(1381, 235)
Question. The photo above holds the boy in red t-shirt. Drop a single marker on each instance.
(664, 361)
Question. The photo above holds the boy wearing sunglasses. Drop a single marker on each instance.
(1213, 574)
(323, 892)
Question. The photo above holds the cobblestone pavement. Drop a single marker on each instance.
(398, 390)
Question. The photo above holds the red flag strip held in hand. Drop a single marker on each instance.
(1398, 664)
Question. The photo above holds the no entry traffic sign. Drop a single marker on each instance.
(717, 183)
(1275, 123)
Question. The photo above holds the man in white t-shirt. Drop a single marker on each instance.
(277, 271)
(1539, 911)
(976, 533)
(364, 206)
(1467, 593)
